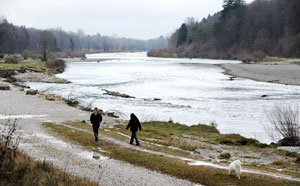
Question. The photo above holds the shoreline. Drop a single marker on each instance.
(286, 74)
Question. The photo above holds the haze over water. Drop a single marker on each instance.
(191, 91)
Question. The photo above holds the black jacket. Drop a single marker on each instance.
(134, 124)
(96, 119)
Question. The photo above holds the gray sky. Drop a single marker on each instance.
(142, 19)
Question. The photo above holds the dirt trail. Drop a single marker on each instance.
(32, 111)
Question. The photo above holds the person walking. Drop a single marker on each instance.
(96, 119)
(134, 124)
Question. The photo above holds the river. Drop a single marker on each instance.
(189, 91)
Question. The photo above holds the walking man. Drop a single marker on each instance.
(134, 124)
(96, 119)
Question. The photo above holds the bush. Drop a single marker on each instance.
(30, 54)
(286, 126)
(13, 59)
(225, 155)
(58, 65)
(291, 154)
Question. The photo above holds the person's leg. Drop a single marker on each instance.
(132, 137)
(136, 139)
(95, 130)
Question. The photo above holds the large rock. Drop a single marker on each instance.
(31, 92)
(4, 87)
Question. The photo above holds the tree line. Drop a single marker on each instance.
(239, 31)
(17, 39)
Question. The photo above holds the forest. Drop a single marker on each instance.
(240, 31)
(19, 39)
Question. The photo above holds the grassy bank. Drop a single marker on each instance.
(35, 64)
(172, 166)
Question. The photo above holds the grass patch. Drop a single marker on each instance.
(295, 62)
(292, 154)
(225, 155)
(272, 59)
(171, 166)
(36, 64)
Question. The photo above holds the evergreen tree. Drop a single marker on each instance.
(182, 35)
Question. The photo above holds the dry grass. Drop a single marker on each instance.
(171, 166)
(29, 172)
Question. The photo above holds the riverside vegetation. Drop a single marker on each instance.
(178, 141)
(17, 168)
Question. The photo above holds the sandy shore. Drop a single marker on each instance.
(287, 74)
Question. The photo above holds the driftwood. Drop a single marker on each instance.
(117, 94)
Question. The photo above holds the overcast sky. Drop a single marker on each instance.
(142, 19)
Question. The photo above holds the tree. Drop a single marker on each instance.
(182, 35)
(46, 39)
(230, 5)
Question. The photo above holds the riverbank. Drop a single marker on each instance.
(273, 72)
(181, 146)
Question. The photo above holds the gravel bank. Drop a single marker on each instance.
(39, 77)
(282, 73)
(33, 110)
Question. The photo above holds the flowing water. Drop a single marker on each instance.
(189, 91)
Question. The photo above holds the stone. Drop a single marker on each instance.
(50, 97)
(31, 92)
(4, 87)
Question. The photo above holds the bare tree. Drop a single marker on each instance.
(46, 38)
(285, 122)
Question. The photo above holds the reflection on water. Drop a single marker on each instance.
(190, 91)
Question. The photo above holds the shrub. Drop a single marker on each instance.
(13, 59)
(291, 154)
(286, 125)
(58, 65)
(225, 155)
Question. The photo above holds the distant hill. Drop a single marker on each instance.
(16, 39)
(240, 31)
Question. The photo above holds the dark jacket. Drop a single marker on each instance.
(134, 124)
(96, 119)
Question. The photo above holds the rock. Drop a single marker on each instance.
(95, 156)
(111, 114)
(10, 79)
(4, 87)
(31, 92)
(22, 70)
(50, 97)
(156, 99)
(289, 141)
(231, 78)
(263, 96)
(72, 102)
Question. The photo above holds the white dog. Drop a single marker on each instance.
(235, 167)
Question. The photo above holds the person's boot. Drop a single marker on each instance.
(96, 139)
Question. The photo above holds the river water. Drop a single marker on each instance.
(189, 91)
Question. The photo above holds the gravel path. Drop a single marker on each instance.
(281, 73)
(32, 111)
